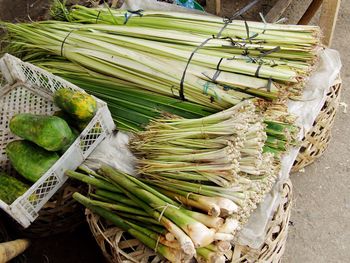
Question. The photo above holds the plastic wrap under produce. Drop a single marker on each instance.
(155, 5)
(114, 150)
(253, 234)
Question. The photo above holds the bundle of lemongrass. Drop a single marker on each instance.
(160, 222)
(145, 62)
(254, 59)
(133, 108)
(219, 155)
(286, 47)
(154, 56)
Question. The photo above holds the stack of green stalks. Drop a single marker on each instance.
(133, 108)
(144, 68)
(161, 223)
(281, 47)
(219, 155)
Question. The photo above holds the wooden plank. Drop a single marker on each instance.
(277, 10)
(328, 19)
(218, 7)
(213, 6)
(310, 12)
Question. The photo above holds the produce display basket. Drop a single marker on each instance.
(317, 139)
(119, 247)
(271, 251)
(28, 89)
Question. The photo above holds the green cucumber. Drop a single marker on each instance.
(72, 122)
(81, 106)
(63, 115)
(11, 188)
(50, 132)
(75, 135)
(30, 160)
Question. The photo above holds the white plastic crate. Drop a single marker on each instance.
(25, 88)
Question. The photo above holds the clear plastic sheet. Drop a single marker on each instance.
(314, 96)
(114, 151)
(253, 234)
(155, 5)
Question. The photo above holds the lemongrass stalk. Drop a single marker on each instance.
(230, 226)
(204, 219)
(119, 207)
(169, 236)
(185, 166)
(93, 181)
(209, 207)
(215, 206)
(144, 219)
(222, 155)
(186, 243)
(190, 79)
(220, 246)
(170, 254)
(159, 238)
(161, 19)
(186, 176)
(199, 233)
(210, 256)
(209, 221)
(223, 236)
(277, 153)
(100, 198)
(276, 143)
(90, 172)
(213, 118)
(115, 197)
(232, 193)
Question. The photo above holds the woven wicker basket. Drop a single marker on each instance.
(59, 215)
(272, 249)
(118, 247)
(317, 140)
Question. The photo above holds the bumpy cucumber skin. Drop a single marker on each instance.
(79, 105)
(50, 132)
(72, 122)
(63, 115)
(11, 188)
(75, 135)
(30, 160)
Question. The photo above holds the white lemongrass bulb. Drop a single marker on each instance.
(12, 249)
(229, 227)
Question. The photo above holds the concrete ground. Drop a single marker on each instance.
(321, 212)
(320, 220)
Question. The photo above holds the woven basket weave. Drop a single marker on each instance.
(317, 139)
(119, 247)
(272, 249)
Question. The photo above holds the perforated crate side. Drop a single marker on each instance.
(34, 76)
(18, 99)
(35, 198)
(95, 132)
(31, 91)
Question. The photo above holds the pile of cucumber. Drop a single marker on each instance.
(45, 138)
